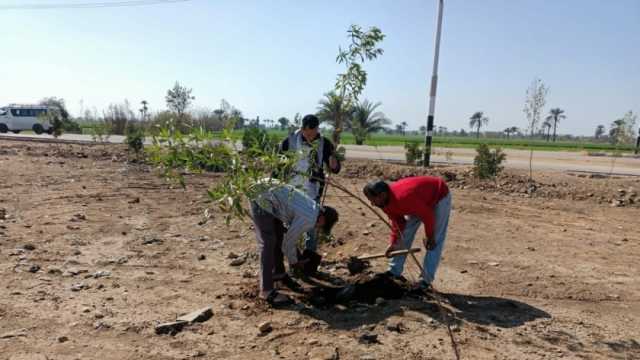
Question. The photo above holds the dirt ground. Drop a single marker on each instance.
(96, 251)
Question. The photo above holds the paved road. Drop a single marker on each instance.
(519, 159)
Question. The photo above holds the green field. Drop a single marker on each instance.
(472, 142)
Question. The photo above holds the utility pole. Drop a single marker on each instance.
(434, 84)
(637, 143)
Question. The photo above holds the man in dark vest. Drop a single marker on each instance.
(314, 152)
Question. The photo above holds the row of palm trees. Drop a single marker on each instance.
(361, 119)
(478, 120)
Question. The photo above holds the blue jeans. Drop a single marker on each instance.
(432, 258)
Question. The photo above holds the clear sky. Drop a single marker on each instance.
(275, 58)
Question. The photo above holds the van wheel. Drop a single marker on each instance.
(15, 131)
(3, 128)
(38, 129)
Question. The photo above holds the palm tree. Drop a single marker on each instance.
(510, 131)
(478, 120)
(423, 129)
(284, 123)
(144, 109)
(600, 130)
(546, 124)
(333, 109)
(366, 120)
(404, 127)
(555, 115)
(399, 129)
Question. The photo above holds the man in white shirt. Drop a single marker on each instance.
(282, 205)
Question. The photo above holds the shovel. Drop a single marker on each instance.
(393, 254)
(359, 264)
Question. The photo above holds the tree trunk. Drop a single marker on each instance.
(478, 132)
(555, 124)
(336, 132)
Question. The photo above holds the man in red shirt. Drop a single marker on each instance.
(409, 202)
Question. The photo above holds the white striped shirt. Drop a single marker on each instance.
(298, 212)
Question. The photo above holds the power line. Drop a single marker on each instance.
(89, 5)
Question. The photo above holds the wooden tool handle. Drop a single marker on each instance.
(393, 253)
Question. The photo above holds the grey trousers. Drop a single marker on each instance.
(269, 235)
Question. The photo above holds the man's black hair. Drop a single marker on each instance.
(375, 188)
(330, 218)
(310, 122)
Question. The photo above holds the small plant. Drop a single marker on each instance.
(135, 138)
(256, 139)
(487, 163)
(448, 155)
(100, 132)
(413, 153)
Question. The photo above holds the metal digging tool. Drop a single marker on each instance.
(357, 265)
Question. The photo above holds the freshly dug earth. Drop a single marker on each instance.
(96, 251)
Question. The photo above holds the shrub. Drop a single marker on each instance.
(487, 163)
(135, 137)
(414, 153)
(258, 139)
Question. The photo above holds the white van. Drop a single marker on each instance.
(16, 118)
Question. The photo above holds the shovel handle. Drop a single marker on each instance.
(393, 254)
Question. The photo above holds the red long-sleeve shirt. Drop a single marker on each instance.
(415, 196)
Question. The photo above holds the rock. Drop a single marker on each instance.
(232, 255)
(248, 274)
(366, 232)
(531, 248)
(54, 271)
(34, 268)
(62, 339)
(151, 240)
(199, 315)
(77, 252)
(15, 333)
(493, 263)
(134, 201)
(170, 328)
(313, 342)
(102, 273)
(367, 357)
(16, 252)
(324, 354)
(79, 286)
(3, 213)
(201, 257)
(265, 327)
(98, 315)
(237, 262)
(396, 326)
(29, 247)
(368, 338)
(86, 310)
(463, 271)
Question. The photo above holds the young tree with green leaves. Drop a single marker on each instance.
(179, 99)
(363, 46)
(535, 100)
